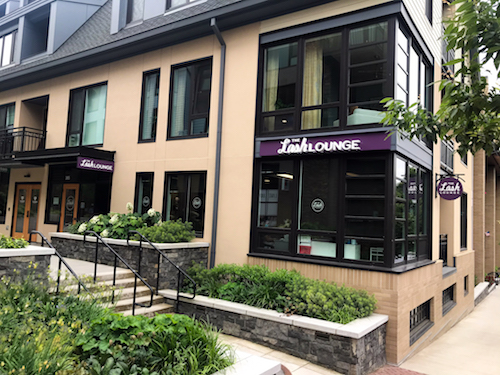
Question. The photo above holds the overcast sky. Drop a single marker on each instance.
(492, 76)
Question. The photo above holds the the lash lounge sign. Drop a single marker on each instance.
(325, 144)
(450, 188)
(95, 164)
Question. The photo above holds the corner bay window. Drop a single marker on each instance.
(86, 116)
(190, 99)
(337, 208)
(184, 198)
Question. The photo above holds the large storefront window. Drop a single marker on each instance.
(338, 208)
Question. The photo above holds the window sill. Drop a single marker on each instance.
(204, 135)
(146, 141)
(334, 263)
(419, 331)
(448, 271)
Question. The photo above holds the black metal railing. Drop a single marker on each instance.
(13, 140)
(180, 272)
(443, 248)
(115, 265)
(61, 261)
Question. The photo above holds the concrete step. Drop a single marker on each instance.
(161, 308)
(126, 304)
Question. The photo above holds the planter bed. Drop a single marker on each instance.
(182, 254)
(355, 348)
(19, 260)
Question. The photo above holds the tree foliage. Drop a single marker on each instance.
(469, 111)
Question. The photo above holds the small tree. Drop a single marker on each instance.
(469, 111)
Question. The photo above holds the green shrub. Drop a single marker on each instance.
(284, 291)
(169, 232)
(69, 335)
(12, 243)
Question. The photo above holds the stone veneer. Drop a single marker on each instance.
(182, 254)
(356, 348)
(15, 263)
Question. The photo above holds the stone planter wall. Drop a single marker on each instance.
(182, 254)
(15, 263)
(356, 348)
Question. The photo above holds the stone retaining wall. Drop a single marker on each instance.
(356, 348)
(182, 254)
(19, 263)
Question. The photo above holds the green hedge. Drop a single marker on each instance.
(284, 291)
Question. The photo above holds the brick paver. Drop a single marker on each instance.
(394, 370)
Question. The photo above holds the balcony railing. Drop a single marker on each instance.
(14, 140)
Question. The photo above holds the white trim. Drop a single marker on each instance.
(26, 252)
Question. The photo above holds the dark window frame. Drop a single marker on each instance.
(428, 10)
(340, 236)
(463, 221)
(449, 299)
(3, 118)
(447, 151)
(189, 174)
(198, 64)
(4, 188)
(420, 320)
(138, 205)
(12, 48)
(71, 109)
(143, 104)
(466, 285)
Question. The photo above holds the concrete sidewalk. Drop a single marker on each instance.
(469, 348)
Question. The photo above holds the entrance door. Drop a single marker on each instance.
(26, 210)
(69, 209)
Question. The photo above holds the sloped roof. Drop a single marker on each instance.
(93, 44)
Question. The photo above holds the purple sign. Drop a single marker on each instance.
(449, 188)
(95, 164)
(326, 144)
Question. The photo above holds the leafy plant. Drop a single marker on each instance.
(169, 232)
(12, 243)
(284, 291)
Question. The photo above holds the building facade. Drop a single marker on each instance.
(257, 121)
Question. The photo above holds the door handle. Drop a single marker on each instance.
(28, 214)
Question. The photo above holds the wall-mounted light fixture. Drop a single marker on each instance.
(27, 175)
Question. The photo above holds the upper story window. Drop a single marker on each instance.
(447, 156)
(190, 99)
(7, 112)
(335, 81)
(7, 49)
(428, 10)
(177, 3)
(149, 107)
(135, 11)
(86, 116)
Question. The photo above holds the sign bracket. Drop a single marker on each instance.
(440, 176)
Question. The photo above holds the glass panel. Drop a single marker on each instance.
(374, 52)
(176, 197)
(400, 252)
(399, 229)
(21, 209)
(319, 194)
(423, 202)
(364, 228)
(88, 201)
(412, 211)
(402, 56)
(280, 77)
(273, 241)
(150, 105)
(176, 3)
(412, 250)
(180, 105)
(423, 85)
(365, 207)
(366, 73)
(76, 117)
(367, 93)
(8, 40)
(321, 70)
(202, 90)
(4, 190)
(35, 198)
(69, 207)
(368, 34)
(276, 200)
(197, 201)
(144, 198)
(365, 186)
(94, 115)
(323, 246)
(402, 40)
(320, 118)
(278, 123)
(414, 77)
(362, 249)
(363, 166)
(400, 210)
(135, 10)
(199, 126)
(402, 79)
(400, 169)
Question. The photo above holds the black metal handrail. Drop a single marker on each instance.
(117, 256)
(61, 261)
(162, 254)
(21, 139)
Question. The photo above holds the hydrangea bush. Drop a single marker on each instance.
(116, 225)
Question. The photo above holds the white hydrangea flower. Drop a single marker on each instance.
(82, 228)
(151, 212)
(114, 219)
(94, 220)
(104, 233)
(130, 207)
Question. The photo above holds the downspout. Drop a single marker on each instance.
(213, 242)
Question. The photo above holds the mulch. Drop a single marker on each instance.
(394, 370)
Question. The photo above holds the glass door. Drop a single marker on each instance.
(69, 211)
(26, 210)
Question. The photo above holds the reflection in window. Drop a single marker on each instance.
(149, 109)
(7, 48)
(143, 192)
(4, 189)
